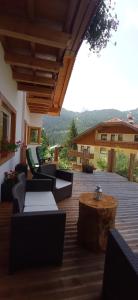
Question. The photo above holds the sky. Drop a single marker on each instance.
(111, 80)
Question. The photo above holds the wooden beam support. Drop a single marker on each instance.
(63, 80)
(37, 108)
(33, 88)
(32, 62)
(38, 100)
(39, 111)
(23, 29)
(37, 95)
(21, 77)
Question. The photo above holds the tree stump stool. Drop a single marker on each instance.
(96, 217)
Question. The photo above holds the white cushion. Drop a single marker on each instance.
(39, 198)
(60, 183)
(40, 208)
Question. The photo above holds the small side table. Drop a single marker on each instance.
(96, 217)
(6, 189)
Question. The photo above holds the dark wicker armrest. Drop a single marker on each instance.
(37, 238)
(46, 176)
(64, 175)
(121, 270)
(39, 185)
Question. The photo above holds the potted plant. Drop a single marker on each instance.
(7, 147)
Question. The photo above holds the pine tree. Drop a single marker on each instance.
(73, 132)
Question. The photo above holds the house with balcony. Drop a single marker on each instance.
(114, 134)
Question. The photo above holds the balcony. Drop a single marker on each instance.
(117, 144)
(80, 276)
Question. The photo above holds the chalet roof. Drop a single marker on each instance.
(114, 120)
(108, 123)
(41, 39)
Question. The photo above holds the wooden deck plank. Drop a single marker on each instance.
(80, 276)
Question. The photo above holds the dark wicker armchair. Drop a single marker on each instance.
(62, 181)
(120, 280)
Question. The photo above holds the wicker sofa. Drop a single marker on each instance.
(37, 225)
(121, 270)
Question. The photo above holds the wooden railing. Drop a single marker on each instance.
(83, 155)
(117, 144)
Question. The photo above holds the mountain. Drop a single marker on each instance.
(57, 127)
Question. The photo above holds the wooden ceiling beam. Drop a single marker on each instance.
(32, 62)
(39, 111)
(37, 95)
(24, 29)
(21, 77)
(38, 100)
(34, 88)
(39, 107)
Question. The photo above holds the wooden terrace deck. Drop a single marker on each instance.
(80, 276)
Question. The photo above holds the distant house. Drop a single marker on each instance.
(111, 134)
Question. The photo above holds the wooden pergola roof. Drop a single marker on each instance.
(40, 40)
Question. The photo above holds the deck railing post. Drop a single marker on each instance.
(111, 160)
(56, 152)
(131, 166)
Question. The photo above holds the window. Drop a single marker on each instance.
(7, 127)
(136, 137)
(103, 137)
(34, 135)
(88, 149)
(120, 137)
(112, 137)
(103, 151)
(82, 148)
(5, 123)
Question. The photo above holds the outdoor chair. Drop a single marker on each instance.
(39, 155)
(121, 270)
(62, 181)
(34, 167)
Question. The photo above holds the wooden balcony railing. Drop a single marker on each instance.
(84, 155)
(117, 144)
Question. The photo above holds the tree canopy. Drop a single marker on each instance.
(101, 26)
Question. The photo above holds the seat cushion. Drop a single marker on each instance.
(60, 183)
(35, 208)
(39, 198)
(39, 201)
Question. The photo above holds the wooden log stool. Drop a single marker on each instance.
(96, 217)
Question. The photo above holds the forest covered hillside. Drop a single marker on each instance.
(57, 127)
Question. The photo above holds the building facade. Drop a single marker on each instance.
(112, 134)
(39, 42)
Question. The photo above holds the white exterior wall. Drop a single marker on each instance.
(8, 88)
(34, 120)
(128, 137)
